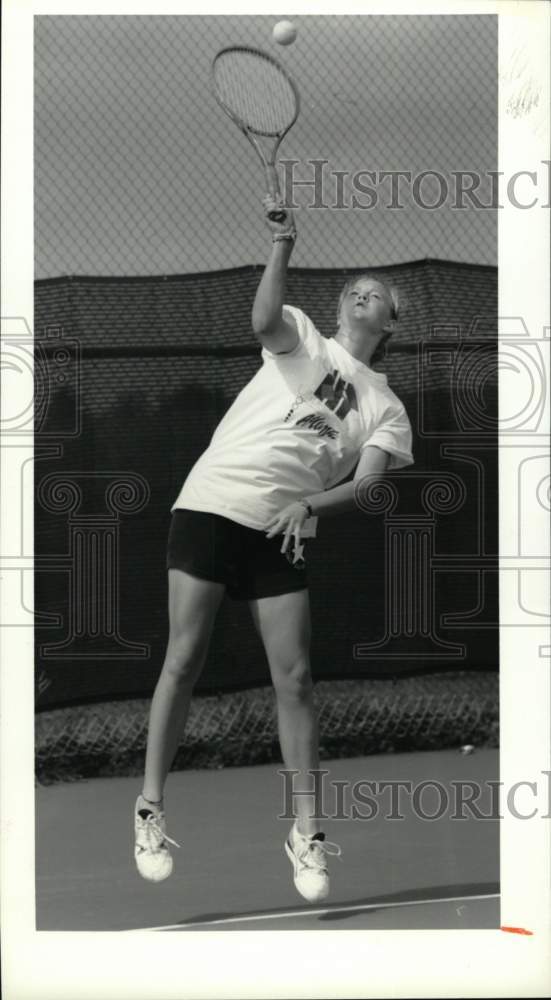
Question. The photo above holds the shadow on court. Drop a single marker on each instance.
(232, 873)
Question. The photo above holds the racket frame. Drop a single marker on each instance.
(268, 161)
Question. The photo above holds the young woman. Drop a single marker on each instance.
(313, 412)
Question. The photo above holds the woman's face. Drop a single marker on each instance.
(367, 303)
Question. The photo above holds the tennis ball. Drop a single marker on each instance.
(284, 32)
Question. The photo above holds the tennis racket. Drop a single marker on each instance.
(258, 94)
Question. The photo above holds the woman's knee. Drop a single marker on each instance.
(185, 657)
(292, 679)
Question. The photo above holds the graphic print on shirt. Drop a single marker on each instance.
(318, 424)
(336, 393)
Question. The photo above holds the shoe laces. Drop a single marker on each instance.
(155, 833)
(312, 852)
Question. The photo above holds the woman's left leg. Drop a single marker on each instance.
(283, 624)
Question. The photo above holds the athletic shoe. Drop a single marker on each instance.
(153, 858)
(308, 858)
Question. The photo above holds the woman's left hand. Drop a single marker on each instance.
(289, 521)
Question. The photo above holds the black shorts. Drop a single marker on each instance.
(215, 548)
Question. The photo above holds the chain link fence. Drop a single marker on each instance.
(138, 171)
(240, 728)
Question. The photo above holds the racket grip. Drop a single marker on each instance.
(277, 215)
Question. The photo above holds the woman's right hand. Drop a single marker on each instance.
(272, 204)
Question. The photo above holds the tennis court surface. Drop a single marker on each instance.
(231, 872)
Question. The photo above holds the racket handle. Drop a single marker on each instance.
(277, 215)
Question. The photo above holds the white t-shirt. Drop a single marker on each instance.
(296, 429)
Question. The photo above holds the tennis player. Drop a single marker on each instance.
(315, 411)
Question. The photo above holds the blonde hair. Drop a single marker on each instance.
(394, 296)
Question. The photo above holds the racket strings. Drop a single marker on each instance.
(255, 90)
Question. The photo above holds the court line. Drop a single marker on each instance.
(310, 912)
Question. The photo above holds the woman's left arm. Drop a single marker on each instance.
(373, 461)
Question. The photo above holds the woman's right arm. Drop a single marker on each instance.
(269, 326)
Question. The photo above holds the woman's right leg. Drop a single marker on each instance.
(193, 605)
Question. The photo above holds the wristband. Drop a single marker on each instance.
(308, 507)
(290, 235)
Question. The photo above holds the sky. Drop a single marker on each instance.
(138, 171)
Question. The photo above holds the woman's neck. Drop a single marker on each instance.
(359, 343)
